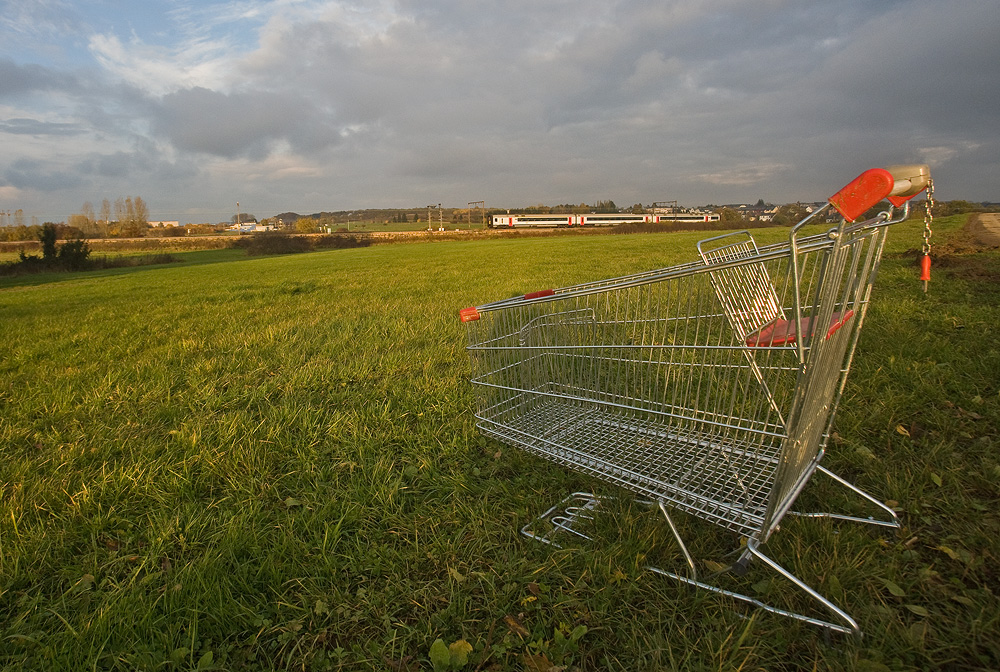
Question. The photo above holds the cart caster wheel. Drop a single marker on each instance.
(739, 568)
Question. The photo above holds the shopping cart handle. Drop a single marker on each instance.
(863, 192)
(468, 314)
(910, 180)
(896, 183)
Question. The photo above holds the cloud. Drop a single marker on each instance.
(36, 175)
(18, 80)
(39, 19)
(394, 102)
(10, 193)
(198, 120)
(158, 70)
(36, 127)
(743, 175)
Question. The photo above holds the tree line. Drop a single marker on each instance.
(127, 217)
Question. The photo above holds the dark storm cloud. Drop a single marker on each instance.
(99, 175)
(199, 120)
(112, 167)
(31, 174)
(935, 73)
(116, 164)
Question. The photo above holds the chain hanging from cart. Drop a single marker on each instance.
(925, 260)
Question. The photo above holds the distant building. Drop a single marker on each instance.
(162, 224)
(757, 213)
(251, 227)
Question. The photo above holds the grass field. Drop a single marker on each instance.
(272, 463)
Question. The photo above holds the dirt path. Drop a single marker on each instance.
(985, 228)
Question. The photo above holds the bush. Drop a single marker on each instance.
(129, 262)
(341, 242)
(168, 232)
(273, 242)
(47, 236)
(29, 263)
(276, 242)
(73, 255)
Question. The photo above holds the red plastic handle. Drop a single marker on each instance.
(539, 294)
(468, 314)
(863, 192)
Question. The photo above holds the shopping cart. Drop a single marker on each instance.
(708, 388)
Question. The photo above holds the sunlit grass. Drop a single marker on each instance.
(272, 463)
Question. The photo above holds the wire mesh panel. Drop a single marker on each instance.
(708, 387)
(641, 385)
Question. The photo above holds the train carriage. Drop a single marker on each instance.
(597, 219)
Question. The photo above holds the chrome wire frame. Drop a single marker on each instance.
(653, 382)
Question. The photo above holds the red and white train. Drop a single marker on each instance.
(593, 219)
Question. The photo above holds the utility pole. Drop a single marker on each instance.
(481, 206)
(238, 227)
(657, 205)
(430, 209)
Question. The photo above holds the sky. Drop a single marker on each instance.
(313, 105)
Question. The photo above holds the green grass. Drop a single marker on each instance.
(272, 463)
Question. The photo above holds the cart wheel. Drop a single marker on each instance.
(739, 568)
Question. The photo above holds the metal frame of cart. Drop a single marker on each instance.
(708, 388)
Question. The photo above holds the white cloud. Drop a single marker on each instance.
(159, 71)
(745, 174)
(10, 193)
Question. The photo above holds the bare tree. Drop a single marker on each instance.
(141, 211)
(119, 212)
(86, 221)
(104, 219)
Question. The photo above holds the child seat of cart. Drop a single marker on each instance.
(747, 293)
(784, 332)
(749, 298)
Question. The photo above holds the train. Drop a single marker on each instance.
(595, 219)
